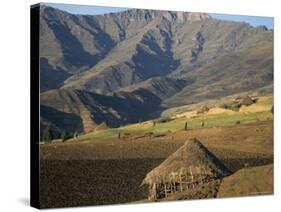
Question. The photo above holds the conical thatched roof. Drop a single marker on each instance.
(247, 101)
(192, 159)
(204, 109)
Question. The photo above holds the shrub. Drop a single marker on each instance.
(65, 136)
(47, 135)
(127, 134)
(185, 126)
(164, 120)
(233, 106)
(224, 106)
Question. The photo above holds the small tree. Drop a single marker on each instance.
(202, 123)
(63, 136)
(75, 135)
(47, 134)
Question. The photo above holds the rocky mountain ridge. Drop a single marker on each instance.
(96, 68)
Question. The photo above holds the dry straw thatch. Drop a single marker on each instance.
(191, 164)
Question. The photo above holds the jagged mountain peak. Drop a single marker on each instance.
(52, 12)
(187, 16)
(145, 14)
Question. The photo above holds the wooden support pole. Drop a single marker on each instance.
(154, 191)
(191, 174)
(165, 189)
(180, 183)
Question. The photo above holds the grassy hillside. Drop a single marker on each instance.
(246, 115)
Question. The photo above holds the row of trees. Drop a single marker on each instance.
(48, 135)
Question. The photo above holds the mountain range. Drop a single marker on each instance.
(127, 67)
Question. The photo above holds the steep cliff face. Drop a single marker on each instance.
(128, 57)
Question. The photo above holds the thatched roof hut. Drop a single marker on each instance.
(203, 109)
(247, 101)
(191, 164)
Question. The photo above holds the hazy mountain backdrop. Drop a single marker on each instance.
(129, 66)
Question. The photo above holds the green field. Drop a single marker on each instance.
(210, 121)
(179, 124)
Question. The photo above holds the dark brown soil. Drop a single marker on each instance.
(110, 172)
(83, 182)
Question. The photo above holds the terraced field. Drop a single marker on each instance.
(259, 111)
(100, 168)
